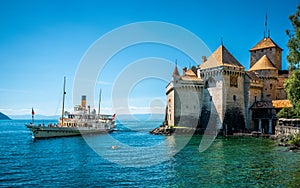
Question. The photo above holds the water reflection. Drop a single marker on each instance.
(238, 161)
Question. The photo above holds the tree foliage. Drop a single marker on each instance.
(295, 140)
(292, 84)
(286, 113)
(292, 88)
(293, 56)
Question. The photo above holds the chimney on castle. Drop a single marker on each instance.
(184, 69)
(204, 59)
(83, 101)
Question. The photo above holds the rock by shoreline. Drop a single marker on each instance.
(163, 130)
(286, 141)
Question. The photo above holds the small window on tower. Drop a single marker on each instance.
(271, 86)
(234, 97)
(233, 81)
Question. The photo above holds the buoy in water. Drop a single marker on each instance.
(114, 147)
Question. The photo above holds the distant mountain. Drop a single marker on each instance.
(4, 117)
(37, 117)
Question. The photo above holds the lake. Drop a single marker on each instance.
(131, 157)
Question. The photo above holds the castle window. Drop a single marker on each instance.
(271, 86)
(206, 85)
(187, 106)
(210, 83)
(234, 97)
(233, 81)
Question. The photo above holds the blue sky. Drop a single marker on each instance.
(43, 41)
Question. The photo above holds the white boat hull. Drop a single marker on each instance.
(51, 132)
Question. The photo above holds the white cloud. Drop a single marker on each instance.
(23, 111)
(13, 90)
(103, 83)
(140, 110)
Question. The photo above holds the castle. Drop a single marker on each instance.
(222, 92)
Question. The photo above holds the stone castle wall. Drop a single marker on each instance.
(184, 100)
(224, 97)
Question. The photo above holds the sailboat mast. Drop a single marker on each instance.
(63, 103)
(99, 103)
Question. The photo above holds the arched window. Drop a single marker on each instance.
(211, 82)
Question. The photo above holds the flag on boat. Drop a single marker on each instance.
(32, 111)
(113, 117)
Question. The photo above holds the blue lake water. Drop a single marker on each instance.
(141, 160)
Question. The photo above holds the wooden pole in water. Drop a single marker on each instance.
(99, 103)
(63, 103)
(32, 116)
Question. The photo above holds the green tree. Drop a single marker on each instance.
(293, 56)
(286, 113)
(292, 84)
(292, 87)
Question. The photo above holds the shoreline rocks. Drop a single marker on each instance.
(163, 130)
(286, 141)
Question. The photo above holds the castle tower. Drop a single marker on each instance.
(184, 98)
(266, 84)
(269, 48)
(268, 73)
(225, 92)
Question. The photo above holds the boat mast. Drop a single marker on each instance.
(63, 103)
(99, 103)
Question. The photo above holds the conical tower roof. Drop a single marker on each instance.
(265, 43)
(221, 56)
(263, 63)
(175, 72)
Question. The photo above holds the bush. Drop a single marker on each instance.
(286, 113)
(295, 140)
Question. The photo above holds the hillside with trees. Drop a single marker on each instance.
(4, 117)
